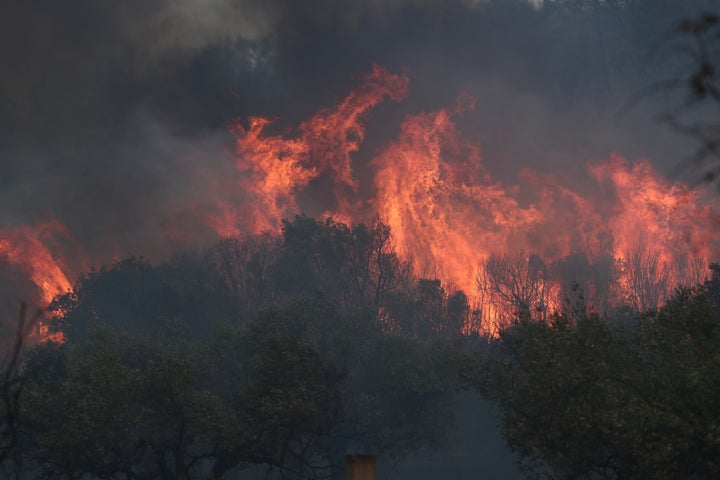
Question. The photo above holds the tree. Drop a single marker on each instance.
(596, 281)
(292, 402)
(12, 386)
(289, 341)
(118, 405)
(162, 406)
(584, 397)
(246, 263)
(132, 295)
(647, 280)
(695, 43)
(517, 285)
(397, 392)
(356, 265)
(427, 312)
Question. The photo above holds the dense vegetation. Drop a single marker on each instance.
(587, 396)
(287, 352)
(284, 352)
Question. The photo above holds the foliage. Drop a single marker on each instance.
(291, 403)
(427, 311)
(245, 264)
(145, 407)
(291, 391)
(355, 265)
(235, 279)
(584, 397)
(398, 391)
(289, 351)
(117, 405)
(133, 295)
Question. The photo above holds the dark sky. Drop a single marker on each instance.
(113, 114)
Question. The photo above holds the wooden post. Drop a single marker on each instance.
(360, 467)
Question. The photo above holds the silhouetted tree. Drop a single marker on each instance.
(163, 407)
(119, 405)
(12, 386)
(357, 265)
(398, 391)
(584, 398)
(427, 312)
(135, 296)
(596, 281)
(246, 264)
(517, 285)
(697, 116)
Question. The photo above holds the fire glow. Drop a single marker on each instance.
(447, 213)
(25, 249)
(454, 221)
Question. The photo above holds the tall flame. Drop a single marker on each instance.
(456, 222)
(276, 168)
(672, 219)
(447, 213)
(25, 248)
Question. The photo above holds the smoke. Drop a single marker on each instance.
(114, 116)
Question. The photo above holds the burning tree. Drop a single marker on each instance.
(646, 280)
(517, 286)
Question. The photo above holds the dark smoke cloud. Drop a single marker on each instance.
(109, 110)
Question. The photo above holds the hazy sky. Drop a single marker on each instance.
(108, 110)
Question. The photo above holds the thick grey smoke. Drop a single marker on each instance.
(113, 115)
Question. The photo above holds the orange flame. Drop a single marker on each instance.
(276, 167)
(25, 248)
(658, 229)
(454, 221)
(448, 215)
(671, 219)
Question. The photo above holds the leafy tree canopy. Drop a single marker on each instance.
(583, 396)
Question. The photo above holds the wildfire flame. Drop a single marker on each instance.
(276, 168)
(447, 213)
(25, 248)
(454, 221)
